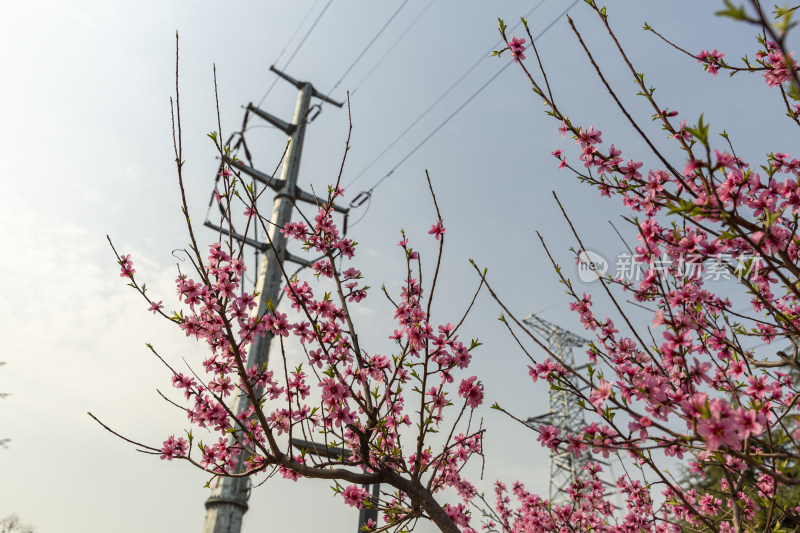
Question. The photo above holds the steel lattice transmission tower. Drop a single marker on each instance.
(565, 412)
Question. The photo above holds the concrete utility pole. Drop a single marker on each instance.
(227, 504)
(564, 413)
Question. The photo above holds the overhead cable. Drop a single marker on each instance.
(296, 31)
(369, 45)
(392, 47)
(441, 97)
(299, 46)
(454, 113)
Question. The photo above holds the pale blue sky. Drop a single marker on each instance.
(86, 151)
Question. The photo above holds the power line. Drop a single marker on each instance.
(319, 17)
(297, 30)
(392, 47)
(449, 89)
(300, 45)
(440, 126)
(369, 45)
(556, 304)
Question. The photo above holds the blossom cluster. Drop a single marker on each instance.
(517, 47)
(342, 394)
(694, 385)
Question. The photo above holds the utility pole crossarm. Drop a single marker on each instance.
(277, 184)
(237, 236)
(300, 84)
(303, 196)
(298, 260)
(273, 183)
(284, 126)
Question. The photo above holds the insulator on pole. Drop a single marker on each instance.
(360, 198)
(317, 109)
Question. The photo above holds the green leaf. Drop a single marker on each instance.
(700, 131)
(732, 11)
(783, 11)
(793, 92)
(771, 217)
